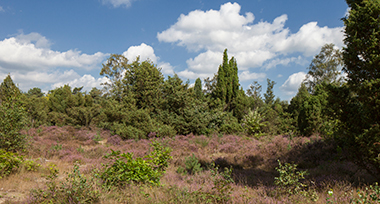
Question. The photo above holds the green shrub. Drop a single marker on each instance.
(166, 131)
(75, 189)
(9, 163)
(31, 165)
(192, 166)
(289, 180)
(160, 156)
(127, 131)
(254, 123)
(369, 195)
(125, 169)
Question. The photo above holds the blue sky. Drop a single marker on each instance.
(48, 43)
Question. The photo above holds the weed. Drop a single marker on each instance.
(56, 147)
(97, 138)
(192, 166)
(80, 149)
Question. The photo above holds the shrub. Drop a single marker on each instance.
(31, 165)
(289, 180)
(9, 163)
(125, 169)
(192, 166)
(369, 195)
(75, 189)
(254, 122)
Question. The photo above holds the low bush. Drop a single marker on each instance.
(192, 166)
(289, 180)
(76, 188)
(125, 169)
(9, 163)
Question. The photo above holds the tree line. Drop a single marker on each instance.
(138, 102)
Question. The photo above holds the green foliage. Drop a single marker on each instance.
(12, 117)
(357, 103)
(198, 88)
(9, 163)
(269, 95)
(361, 54)
(145, 81)
(71, 107)
(113, 69)
(254, 123)
(192, 165)
(31, 165)
(324, 67)
(227, 81)
(125, 169)
(310, 117)
(289, 180)
(75, 189)
(160, 156)
(369, 195)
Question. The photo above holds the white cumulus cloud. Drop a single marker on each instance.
(291, 85)
(87, 81)
(146, 52)
(247, 76)
(254, 44)
(32, 52)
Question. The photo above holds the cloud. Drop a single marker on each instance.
(87, 81)
(32, 52)
(254, 44)
(118, 3)
(192, 75)
(1, 9)
(146, 52)
(247, 76)
(32, 63)
(285, 61)
(291, 85)
(27, 80)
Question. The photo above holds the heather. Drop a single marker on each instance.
(147, 139)
(229, 169)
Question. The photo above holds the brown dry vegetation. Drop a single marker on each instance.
(253, 162)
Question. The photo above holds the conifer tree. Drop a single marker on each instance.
(198, 88)
(269, 95)
(227, 84)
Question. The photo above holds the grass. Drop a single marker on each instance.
(253, 163)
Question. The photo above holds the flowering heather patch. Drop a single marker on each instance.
(253, 165)
(114, 140)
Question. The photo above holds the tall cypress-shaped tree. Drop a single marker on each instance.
(198, 88)
(227, 85)
(221, 80)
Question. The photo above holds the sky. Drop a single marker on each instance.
(48, 44)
